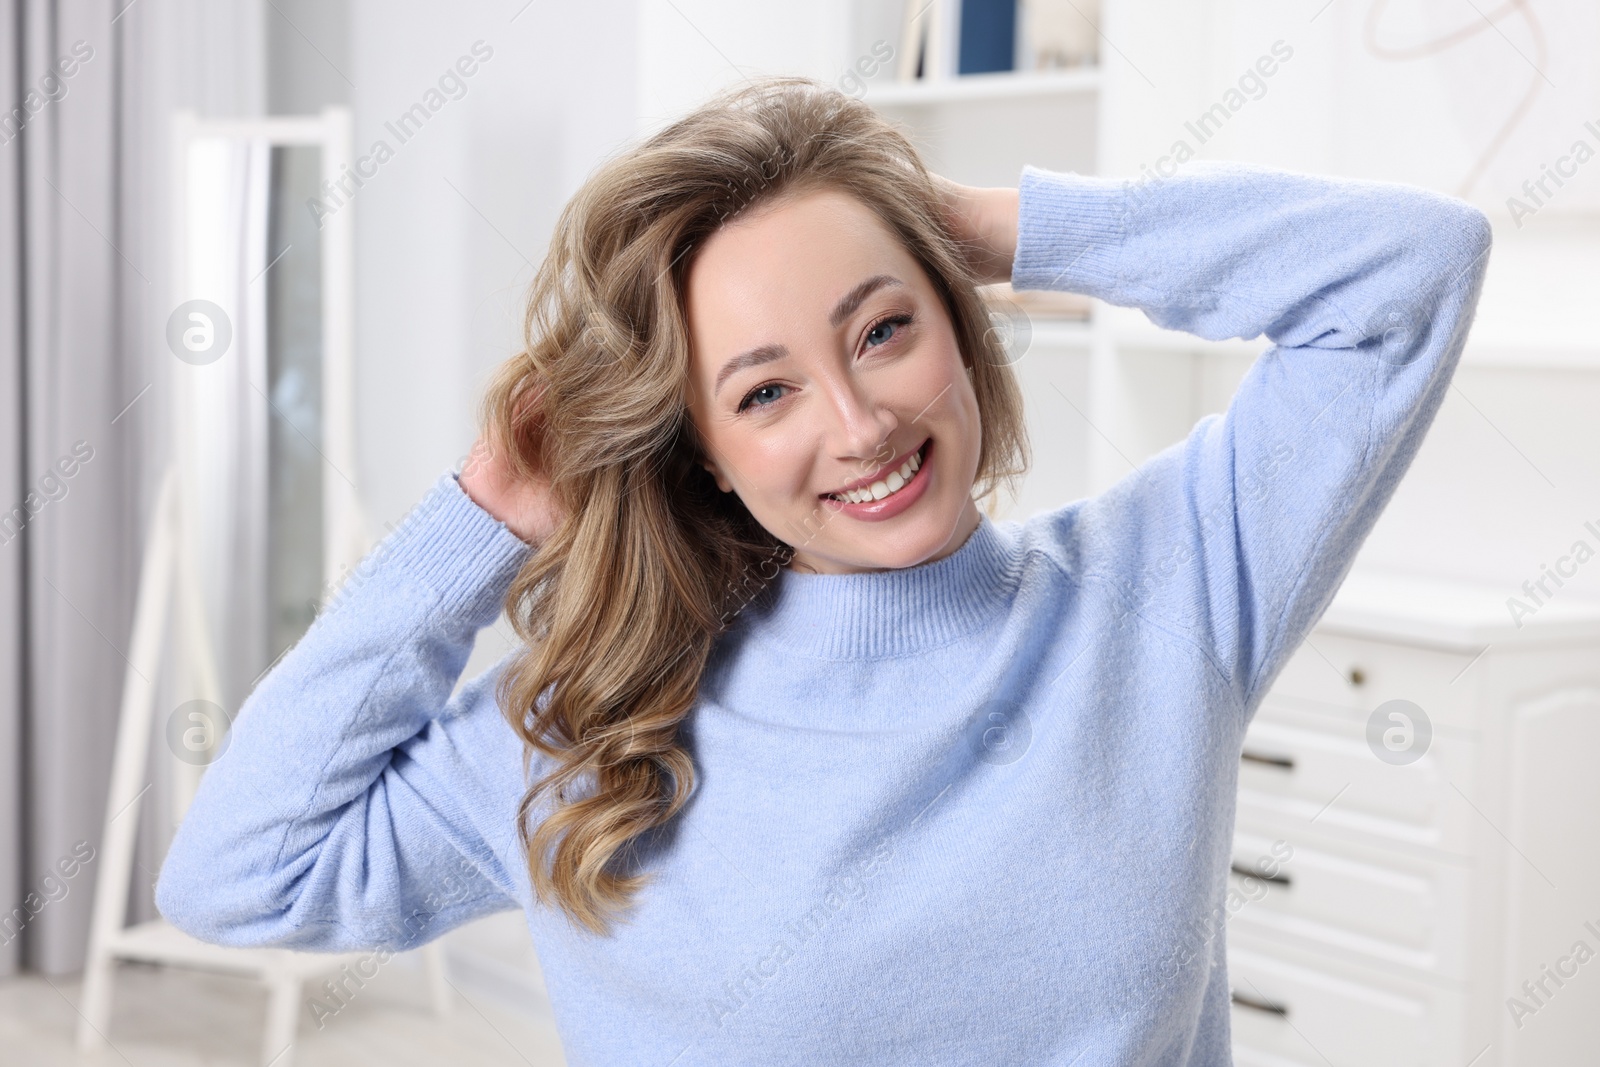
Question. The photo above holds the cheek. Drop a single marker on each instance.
(774, 465)
(944, 380)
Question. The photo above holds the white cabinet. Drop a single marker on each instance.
(1426, 888)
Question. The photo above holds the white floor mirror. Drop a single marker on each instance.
(259, 514)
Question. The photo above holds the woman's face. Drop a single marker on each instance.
(822, 360)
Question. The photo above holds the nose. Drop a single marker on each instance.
(864, 423)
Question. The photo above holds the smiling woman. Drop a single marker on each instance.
(804, 758)
(713, 404)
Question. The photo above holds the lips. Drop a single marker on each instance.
(880, 475)
(870, 507)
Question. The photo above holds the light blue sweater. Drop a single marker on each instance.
(976, 811)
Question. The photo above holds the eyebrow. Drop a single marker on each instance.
(846, 307)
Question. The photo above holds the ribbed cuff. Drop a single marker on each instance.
(1069, 231)
(455, 548)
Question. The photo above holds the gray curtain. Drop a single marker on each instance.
(84, 295)
(73, 266)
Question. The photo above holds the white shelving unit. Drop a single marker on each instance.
(979, 129)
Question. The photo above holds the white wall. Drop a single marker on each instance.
(450, 229)
(448, 233)
(691, 48)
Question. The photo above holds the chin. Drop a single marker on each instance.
(888, 545)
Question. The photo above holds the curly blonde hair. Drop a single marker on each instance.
(620, 607)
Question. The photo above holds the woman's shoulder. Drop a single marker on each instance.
(1052, 537)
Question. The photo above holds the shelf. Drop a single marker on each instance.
(1129, 329)
(1541, 357)
(1006, 85)
(1535, 312)
(1038, 303)
(1052, 334)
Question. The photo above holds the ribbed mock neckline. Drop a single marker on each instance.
(891, 612)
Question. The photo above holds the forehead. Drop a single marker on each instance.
(785, 264)
(826, 226)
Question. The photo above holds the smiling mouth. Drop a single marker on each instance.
(887, 485)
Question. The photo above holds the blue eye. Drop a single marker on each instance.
(879, 328)
(751, 395)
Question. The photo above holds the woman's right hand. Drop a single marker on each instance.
(524, 505)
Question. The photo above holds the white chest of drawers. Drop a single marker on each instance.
(1442, 912)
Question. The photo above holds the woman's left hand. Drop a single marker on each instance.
(985, 222)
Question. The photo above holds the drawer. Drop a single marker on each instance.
(1292, 1009)
(1356, 675)
(1381, 908)
(1328, 779)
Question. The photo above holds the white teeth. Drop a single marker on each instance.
(892, 484)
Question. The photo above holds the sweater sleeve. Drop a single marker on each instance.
(356, 803)
(1237, 537)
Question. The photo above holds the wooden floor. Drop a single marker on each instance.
(165, 1017)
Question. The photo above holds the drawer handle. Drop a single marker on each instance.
(1283, 762)
(1241, 869)
(1245, 1000)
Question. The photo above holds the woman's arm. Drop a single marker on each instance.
(1237, 538)
(357, 805)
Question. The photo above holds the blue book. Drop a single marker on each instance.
(988, 36)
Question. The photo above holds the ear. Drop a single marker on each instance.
(722, 482)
